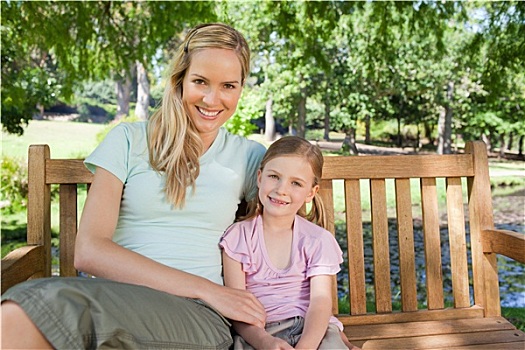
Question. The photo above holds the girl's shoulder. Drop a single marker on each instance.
(248, 225)
(309, 229)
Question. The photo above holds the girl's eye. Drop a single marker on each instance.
(295, 183)
(198, 81)
(273, 176)
(229, 86)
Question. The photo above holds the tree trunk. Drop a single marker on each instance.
(349, 142)
(141, 108)
(486, 139)
(301, 114)
(511, 141)
(367, 130)
(417, 146)
(520, 145)
(399, 141)
(428, 132)
(326, 135)
(502, 145)
(269, 121)
(445, 123)
(124, 93)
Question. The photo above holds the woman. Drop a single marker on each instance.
(162, 195)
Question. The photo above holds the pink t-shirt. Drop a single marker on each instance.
(284, 293)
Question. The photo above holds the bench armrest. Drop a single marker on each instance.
(508, 243)
(22, 264)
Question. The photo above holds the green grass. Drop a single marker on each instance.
(66, 139)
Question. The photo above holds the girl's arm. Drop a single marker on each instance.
(318, 314)
(257, 337)
(97, 254)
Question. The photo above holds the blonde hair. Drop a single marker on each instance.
(299, 147)
(174, 143)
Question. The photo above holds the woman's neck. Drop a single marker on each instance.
(207, 140)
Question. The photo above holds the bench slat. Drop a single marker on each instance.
(417, 329)
(407, 268)
(457, 243)
(67, 171)
(354, 234)
(434, 278)
(68, 229)
(443, 341)
(381, 246)
(415, 316)
(428, 165)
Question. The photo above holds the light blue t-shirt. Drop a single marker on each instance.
(186, 239)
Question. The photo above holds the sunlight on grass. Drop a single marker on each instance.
(66, 139)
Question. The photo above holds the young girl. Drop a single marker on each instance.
(282, 257)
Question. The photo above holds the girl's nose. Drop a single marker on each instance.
(281, 188)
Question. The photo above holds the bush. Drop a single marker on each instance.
(13, 196)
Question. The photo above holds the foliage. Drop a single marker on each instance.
(50, 47)
(100, 91)
(247, 110)
(441, 68)
(13, 196)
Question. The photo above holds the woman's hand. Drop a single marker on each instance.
(237, 304)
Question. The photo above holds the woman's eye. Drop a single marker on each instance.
(273, 176)
(198, 81)
(229, 86)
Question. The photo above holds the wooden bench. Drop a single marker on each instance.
(472, 320)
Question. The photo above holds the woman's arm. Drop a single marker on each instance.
(318, 314)
(257, 337)
(97, 254)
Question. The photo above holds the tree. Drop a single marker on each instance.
(83, 40)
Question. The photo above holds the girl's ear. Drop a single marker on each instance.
(312, 193)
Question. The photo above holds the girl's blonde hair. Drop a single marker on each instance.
(174, 143)
(298, 147)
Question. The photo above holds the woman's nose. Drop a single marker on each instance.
(211, 97)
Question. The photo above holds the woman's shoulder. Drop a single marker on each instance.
(242, 143)
(133, 127)
(129, 129)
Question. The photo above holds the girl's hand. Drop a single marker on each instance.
(236, 304)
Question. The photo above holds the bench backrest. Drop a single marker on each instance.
(429, 192)
(448, 230)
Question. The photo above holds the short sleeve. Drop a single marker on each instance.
(112, 153)
(237, 244)
(324, 256)
(256, 153)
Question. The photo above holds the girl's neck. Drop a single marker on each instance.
(276, 225)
